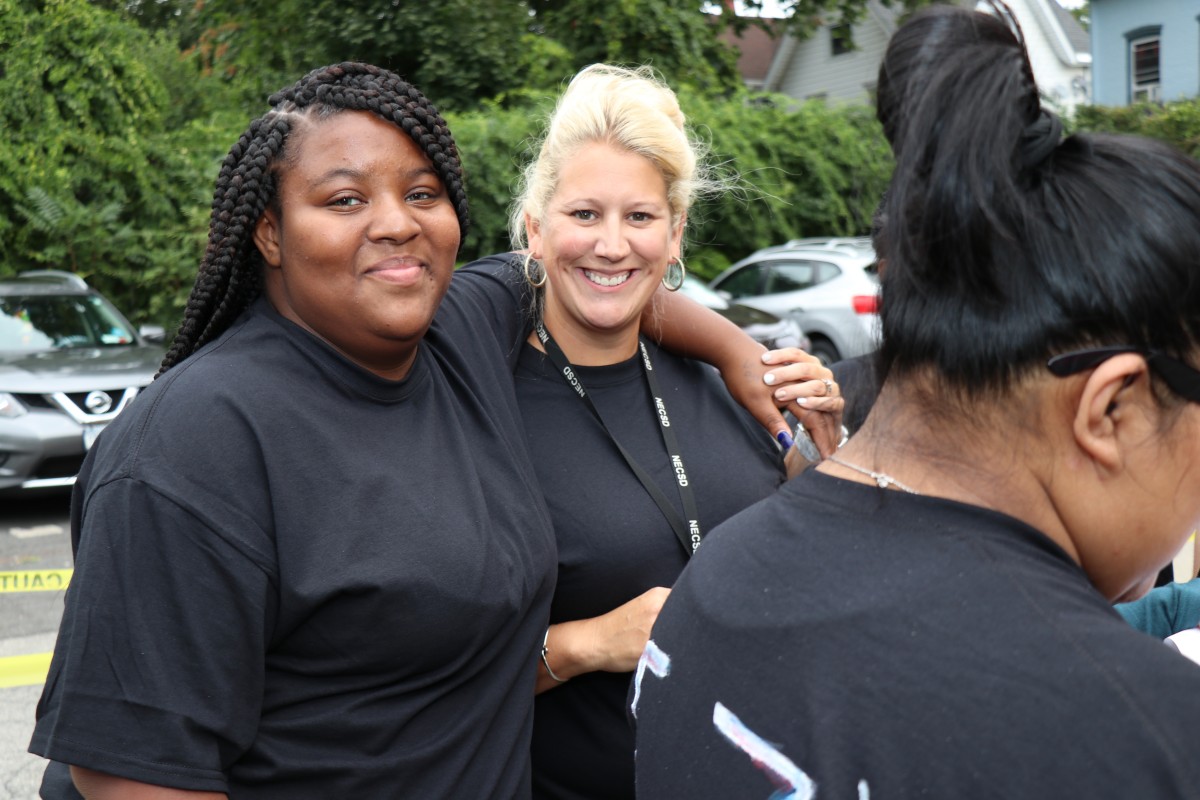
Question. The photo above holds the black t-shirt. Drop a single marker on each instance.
(839, 641)
(295, 579)
(613, 541)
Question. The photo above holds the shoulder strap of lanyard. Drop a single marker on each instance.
(688, 532)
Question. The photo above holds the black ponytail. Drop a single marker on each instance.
(1006, 244)
(230, 275)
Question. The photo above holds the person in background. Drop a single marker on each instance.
(639, 451)
(928, 612)
(1167, 609)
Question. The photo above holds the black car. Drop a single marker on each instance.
(69, 362)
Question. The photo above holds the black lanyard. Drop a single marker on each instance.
(687, 532)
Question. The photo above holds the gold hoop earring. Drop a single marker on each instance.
(673, 278)
(541, 281)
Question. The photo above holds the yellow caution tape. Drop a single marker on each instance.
(35, 580)
(24, 670)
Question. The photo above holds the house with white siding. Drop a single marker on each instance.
(841, 65)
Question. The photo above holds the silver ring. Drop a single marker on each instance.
(828, 387)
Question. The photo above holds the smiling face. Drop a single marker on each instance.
(362, 247)
(605, 241)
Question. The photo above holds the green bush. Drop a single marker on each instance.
(495, 144)
(1177, 122)
(799, 171)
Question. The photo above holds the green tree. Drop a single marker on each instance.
(176, 17)
(495, 143)
(457, 51)
(676, 37)
(805, 170)
(460, 52)
(99, 173)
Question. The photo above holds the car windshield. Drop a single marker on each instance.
(44, 322)
(695, 289)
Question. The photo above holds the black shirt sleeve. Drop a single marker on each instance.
(492, 298)
(187, 616)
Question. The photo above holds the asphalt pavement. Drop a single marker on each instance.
(35, 562)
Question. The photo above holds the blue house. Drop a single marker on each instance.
(1145, 50)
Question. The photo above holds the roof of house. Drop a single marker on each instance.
(1067, 38)
(1076, 35)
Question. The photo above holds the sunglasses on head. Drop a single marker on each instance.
(1180, 378)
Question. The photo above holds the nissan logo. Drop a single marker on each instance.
(98, 402)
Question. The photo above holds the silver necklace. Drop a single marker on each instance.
(882, 480)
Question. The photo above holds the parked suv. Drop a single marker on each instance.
(830, 286)
(69, 363)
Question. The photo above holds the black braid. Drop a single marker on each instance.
(230, 275)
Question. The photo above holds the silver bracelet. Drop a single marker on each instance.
(546, 663)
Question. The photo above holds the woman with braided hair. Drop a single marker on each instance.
(313, 560)
(927, 614)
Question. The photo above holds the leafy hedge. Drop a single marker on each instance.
(113, 140)
(1177, 123)
(801, 171)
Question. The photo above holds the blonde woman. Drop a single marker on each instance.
(638, 451)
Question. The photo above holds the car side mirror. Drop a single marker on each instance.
(156, 334)
(725, 295)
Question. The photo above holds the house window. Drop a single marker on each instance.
(841, 39)
(1143, 59)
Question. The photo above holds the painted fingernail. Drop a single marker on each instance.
(766, 357)
(802, 401)
(781, 395)
(785, 440)
(769, 379)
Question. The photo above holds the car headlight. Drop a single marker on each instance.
(10, 406)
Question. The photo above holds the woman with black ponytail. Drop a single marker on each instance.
(928, 613)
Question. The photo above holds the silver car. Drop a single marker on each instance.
(830, 286)
(767, 329)
(69, 363)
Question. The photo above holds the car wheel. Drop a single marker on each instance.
(824, 350)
